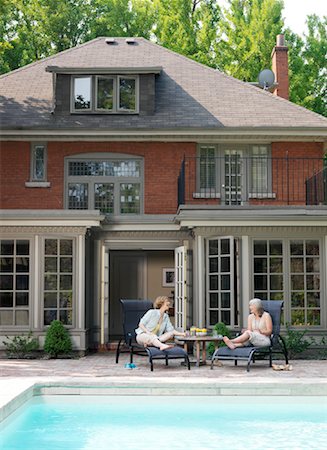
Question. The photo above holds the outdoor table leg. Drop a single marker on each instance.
(204, 353)
(197, 344)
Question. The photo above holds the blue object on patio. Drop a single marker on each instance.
(133, 311)
(249, 353)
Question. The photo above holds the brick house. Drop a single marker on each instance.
(124, 165)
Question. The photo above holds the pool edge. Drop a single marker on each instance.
(156, 387)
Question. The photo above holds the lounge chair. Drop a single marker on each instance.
(250, 353)
(133, 311)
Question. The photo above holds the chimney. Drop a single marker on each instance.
(280, 66)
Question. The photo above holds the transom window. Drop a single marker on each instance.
(106, 94)
(114, 186)
(14, 282)
(289, 270)
(58, 281)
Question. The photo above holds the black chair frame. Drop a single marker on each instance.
(133, 311)
(251, 353)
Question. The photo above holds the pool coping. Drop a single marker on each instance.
(15, 398)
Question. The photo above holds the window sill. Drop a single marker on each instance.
(37, 184)
(206, 195)
(261, 195)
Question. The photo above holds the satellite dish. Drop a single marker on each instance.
(266, 78)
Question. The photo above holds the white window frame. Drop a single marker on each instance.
(74, 279)
(219, 171)
(114, 93)
(128, 77)
(15, 308)
(287, 308)
(117, 181)
(72, 97)
(34, 146)
(93, 101)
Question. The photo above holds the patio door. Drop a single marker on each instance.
(221, 295)
(182, 287)
(233, 177)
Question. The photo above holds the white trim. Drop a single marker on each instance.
(262, 195)
(37, 184)
(37, 258)
(80, 281)
(196, 135)
(206, 195)
(246, 279)
(200, 272)
(104, 70)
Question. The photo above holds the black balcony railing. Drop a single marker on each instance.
(316, 188)
(237, 180)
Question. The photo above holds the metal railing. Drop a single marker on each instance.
(237, 180)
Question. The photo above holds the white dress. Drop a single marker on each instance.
(257, 339)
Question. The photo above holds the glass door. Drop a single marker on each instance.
(221, 289)
(233, 187)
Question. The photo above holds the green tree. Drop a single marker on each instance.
(248, 31)
(188, 27)
(121, 18)
(307, 65)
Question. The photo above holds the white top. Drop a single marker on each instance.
(151, 319)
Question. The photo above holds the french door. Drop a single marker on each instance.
(183, 289)
(221, 283)
(233, 177)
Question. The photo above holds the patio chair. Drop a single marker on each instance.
(250, 353)
(133, 311)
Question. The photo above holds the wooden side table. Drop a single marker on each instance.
(200, 344)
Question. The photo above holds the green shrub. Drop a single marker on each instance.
(57, 340)
(295, 341)
(219, 328)
(21, 346)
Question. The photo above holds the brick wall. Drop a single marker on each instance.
(162, 163)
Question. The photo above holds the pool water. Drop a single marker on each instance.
(167, 422)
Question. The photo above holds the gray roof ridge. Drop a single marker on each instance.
(230, 77)
(39, 61)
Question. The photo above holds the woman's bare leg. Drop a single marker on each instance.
(147, 339)
(239, 341)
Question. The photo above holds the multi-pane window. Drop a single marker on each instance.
(290, 270)
(305, 282)
(207, 168)
(268, 269)
(235, 173)
(105, 94)
(221, 303)
(14, 282)
(38, 162)
(113, 186)
(259, 164)
(58, 281)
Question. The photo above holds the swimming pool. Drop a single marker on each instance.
(166, 422)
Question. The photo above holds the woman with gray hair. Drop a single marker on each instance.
(258, 331)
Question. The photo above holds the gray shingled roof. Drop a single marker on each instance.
(189, 95)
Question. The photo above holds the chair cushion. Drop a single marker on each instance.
(172, 353)
(240, 352)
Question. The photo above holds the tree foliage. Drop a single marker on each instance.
(248, 31)
(237, 39)
(307, 65)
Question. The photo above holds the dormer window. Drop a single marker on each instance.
(82, 93)
(105, 94)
